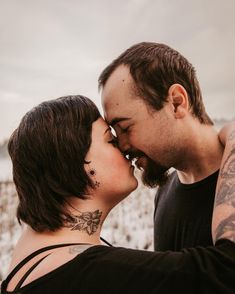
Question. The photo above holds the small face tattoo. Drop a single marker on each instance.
(92, 173)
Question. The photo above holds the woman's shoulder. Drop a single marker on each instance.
(47, 261)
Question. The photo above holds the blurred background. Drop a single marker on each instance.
(52, 48)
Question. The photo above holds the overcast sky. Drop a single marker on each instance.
(52, 48)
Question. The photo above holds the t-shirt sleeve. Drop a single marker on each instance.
(196, 270)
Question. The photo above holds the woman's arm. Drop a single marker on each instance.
(223, 222)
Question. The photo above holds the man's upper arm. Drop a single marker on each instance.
(223, 225)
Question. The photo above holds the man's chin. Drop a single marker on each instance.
(154, 175)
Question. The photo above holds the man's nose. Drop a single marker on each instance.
(123, 144)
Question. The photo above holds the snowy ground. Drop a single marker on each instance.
(5, 168)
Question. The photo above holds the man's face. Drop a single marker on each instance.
(141, 131)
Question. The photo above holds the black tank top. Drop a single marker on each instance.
(183, 213)
(27, 259)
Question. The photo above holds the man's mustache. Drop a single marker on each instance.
(132, 155)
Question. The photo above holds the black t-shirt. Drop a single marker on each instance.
(106, 270)
(183, 213)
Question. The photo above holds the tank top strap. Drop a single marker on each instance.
(29, 257)
(106, 242)
(17, 287)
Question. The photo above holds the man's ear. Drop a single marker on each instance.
(178, 97)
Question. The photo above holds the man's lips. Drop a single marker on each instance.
(134, 155)
(140, 162)
(138, 159)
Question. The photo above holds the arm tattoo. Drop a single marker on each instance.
(226, 196)
(226, 228)
(228, 170)
(85, 221)
(226, 193)
(232, 135)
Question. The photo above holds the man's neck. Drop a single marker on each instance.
(202, 155)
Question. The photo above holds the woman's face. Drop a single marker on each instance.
(113, 172)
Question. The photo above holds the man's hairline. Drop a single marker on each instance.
(134, 90)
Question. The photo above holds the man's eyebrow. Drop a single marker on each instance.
(116, 120)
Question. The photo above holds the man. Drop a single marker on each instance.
(152, 98)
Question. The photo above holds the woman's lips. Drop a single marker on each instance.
(132, 169)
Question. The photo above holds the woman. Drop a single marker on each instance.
(69, 174)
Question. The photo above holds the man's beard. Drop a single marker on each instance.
(154, 174)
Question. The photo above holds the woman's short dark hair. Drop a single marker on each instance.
(154, 68)
(48, 151)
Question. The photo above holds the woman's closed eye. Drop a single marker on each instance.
(114, 142)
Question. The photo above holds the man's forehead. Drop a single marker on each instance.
(115, 108)
(110, 101)
(120, 76)
(114, 113)
(119, 83)
(117, 95)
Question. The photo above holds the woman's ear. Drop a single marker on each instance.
(178, 97)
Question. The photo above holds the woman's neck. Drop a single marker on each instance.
(83, 226)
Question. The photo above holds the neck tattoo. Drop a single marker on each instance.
(85, 221)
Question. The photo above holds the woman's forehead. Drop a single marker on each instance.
(100, 126)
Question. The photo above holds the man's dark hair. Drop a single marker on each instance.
(154, 68)
(48, 151)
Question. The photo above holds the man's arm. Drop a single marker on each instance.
(223, 222)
